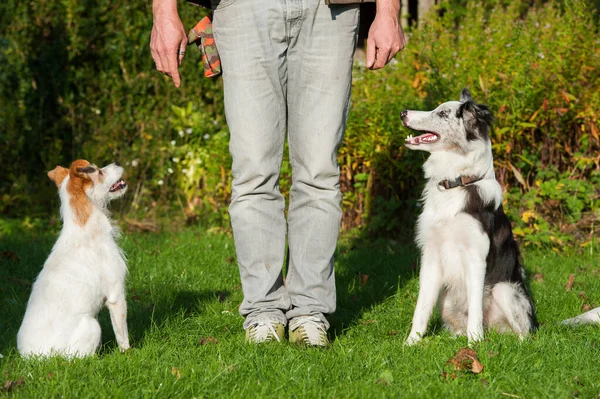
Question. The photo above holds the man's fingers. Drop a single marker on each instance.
(176, 78)
(382, 58)
(393, 53)
(157, 61)
(181, 53)
(168, 42)
(371, 52)
(155, 55)
(173, 60)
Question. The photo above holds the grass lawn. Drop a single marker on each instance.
(183, 292)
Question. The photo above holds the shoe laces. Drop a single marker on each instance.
(263, 330)
(313, 330)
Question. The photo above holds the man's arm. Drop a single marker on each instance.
(168, 40)
(386, 36)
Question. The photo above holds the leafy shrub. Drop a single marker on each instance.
(538, 69)
(78, 81)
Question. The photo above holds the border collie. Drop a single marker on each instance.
(85, 270)
(469, 259)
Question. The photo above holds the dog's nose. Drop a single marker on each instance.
(117, 163)
(404, 117)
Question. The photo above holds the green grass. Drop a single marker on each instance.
(183, 292)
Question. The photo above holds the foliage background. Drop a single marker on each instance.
(77, 81)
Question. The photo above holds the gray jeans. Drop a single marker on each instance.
(287, 68)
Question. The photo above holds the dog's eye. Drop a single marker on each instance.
(443, 113)
(100, 171)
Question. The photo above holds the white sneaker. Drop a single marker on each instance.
(308, 330)
(265, 331)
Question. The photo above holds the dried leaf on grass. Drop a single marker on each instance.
(10, 385)
(466, 359)
(539, 277)
(176, 372)
(9, 255)
(363, 278)
(208, 340)
(586, 307)
(570, 282)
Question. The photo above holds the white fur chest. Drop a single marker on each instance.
(449, 235)
(440, 210)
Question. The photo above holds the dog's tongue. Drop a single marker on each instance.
(426, 138)
(118, 185)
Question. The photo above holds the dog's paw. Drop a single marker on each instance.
(125, 347)
(412, 340)
(474, 339)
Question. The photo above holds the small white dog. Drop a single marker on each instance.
(85, 270)
(469, 259)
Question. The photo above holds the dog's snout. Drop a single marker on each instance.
(117, 163)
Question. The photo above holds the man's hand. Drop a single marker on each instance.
(168, 41)
(386, 36)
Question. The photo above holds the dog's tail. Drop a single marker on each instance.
(590, 317)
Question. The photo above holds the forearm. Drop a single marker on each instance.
(388, 7)
(163, 5)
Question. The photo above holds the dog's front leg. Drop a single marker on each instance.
(118, 317)
(475, 287)
(430, 282)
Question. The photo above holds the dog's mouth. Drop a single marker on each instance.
(425, 138)
(119, 185)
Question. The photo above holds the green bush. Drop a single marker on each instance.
(538, 70)
(78, 81)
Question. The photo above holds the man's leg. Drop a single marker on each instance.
(250, 37)
(319, 80)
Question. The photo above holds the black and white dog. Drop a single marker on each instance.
(469, 259)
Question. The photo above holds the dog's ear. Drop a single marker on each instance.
(477, 120)
(465, 96)
(84, 171)
(58, 174)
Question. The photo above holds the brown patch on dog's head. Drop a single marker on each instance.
(58, 174)
(79, 182)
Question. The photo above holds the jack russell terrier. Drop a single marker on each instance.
(85, 270)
